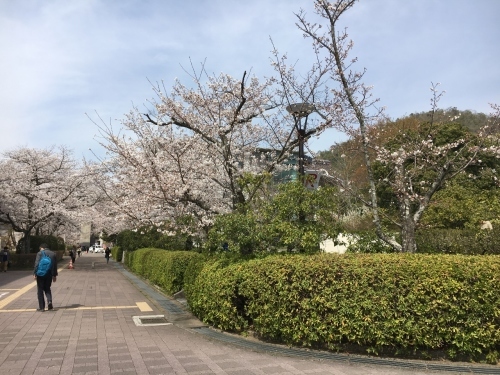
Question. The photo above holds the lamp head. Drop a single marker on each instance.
(300, 109)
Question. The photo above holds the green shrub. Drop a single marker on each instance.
(117, 253)
(382, 302)
(161, 267)
(135, 259)
(213, 296)
(54, 243)
(436, 241)
(27, 261)
(191, 273)
(368, 242)
(458, 241)
(152, 237)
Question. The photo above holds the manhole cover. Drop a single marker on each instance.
(150, 320)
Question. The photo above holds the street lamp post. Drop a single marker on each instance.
(299, 111)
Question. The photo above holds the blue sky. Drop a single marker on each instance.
(62, 59)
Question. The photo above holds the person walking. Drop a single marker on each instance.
(72, 255)
(5, 259)
(106, 254)
(79, 251)
(45, 272)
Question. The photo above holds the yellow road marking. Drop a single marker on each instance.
(99, 307)
(143, 306)
(75, 308)
(15, 295)
(20, 292)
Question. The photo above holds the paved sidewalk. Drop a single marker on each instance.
(94, 329)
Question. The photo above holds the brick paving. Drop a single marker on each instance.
(91, 331)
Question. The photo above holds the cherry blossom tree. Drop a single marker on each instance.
(40, 188)
(187, 157)
(418, 167)
(414, 165)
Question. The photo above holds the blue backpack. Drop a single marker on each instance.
(44, 265)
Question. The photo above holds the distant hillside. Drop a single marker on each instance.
(470, 119)
(346, 158)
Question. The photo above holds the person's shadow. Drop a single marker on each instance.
(68, 307)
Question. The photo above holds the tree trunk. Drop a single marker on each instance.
(12, 238)
(408, 242)
(25, 242)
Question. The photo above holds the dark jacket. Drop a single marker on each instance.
(52, 257)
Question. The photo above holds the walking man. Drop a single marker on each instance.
(45, 272)
(106, 254)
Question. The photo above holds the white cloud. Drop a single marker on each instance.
(62, 59)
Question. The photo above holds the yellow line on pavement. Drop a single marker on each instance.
(102, 307)
(143, 307)
(15, 295)
(20, 292)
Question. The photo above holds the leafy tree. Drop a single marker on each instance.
(54, 243)
(151, 236)
(294, 219)
(109, 237)
(468, 200)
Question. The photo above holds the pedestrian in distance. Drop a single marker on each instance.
(45, 272)
(79, 251)
(5, 259)
(72, 255)
(106, 254)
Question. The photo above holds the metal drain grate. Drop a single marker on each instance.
(150, 320)
(153, 320)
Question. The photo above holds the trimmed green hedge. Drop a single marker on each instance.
(382, 302)
(161, 267)
(27, 261)
(117, 253)
(459, 241)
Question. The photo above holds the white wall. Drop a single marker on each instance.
(342, 240)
